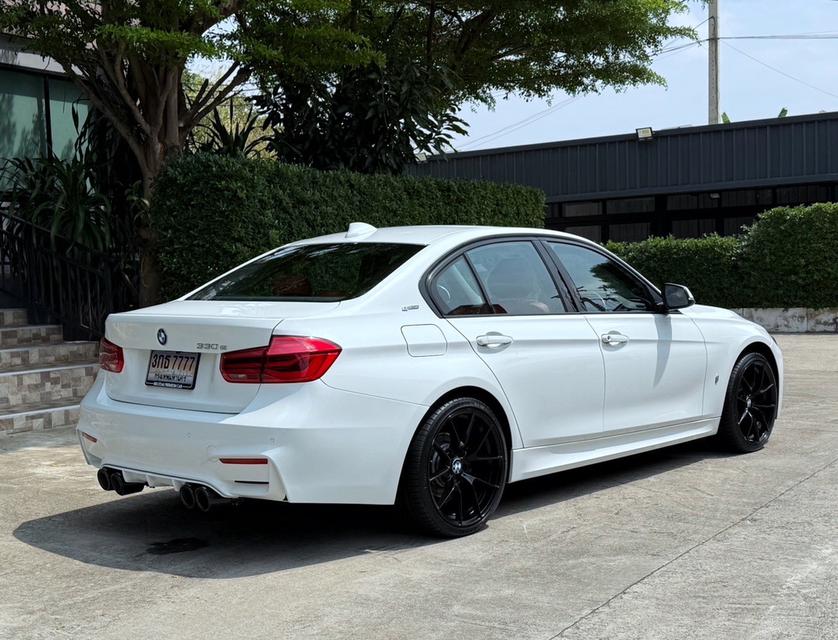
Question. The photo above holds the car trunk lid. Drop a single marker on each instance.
(205, 328)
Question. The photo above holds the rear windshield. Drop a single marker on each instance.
(311, 272)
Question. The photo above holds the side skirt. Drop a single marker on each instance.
(538, 461)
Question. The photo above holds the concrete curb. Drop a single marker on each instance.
(793, 319)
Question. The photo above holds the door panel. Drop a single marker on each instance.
(551, 370)
(655, 369)
(503, 298)
(655, 363)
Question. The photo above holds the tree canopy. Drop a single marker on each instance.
(436, 55)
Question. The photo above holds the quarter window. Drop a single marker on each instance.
(602, 284)
(516, 279)
(457, 292)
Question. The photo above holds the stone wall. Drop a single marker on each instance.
(794, 319)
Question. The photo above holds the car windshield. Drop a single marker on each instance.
(311, 273)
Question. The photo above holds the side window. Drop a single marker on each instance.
(516, 279)
(457, 292)
(602, 284)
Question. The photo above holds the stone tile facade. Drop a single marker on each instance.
(27, 388)
(40, 420)
(42, 378)
(12, 317)
(47, 355)
(28, 335)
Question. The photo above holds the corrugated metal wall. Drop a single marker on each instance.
(795, 150)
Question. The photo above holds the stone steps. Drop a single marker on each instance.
(38, 356)
(42, 378)
(30, 334)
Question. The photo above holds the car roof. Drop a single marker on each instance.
(430, 234)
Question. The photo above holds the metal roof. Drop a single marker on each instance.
(749, 154)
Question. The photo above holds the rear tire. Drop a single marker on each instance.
(750, 405)
(456, 468)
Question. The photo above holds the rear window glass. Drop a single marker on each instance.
(311, 272)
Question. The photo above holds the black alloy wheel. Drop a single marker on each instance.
(456, 468)
(751, 404)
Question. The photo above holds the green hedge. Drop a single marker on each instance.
(790, 257)
(211, 213)
(706, 265)
(787, 258)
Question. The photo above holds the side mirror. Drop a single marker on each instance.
(677, 296)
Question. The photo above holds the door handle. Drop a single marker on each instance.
(614, 337)
(493, 340)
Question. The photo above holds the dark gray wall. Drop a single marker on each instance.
(794, 150)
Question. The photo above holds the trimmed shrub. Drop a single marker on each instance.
(211, 213)
(706, 265)
(787, 258)
(790, 257)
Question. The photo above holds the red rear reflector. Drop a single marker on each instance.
(285, 359)
(89, 437)
(111, 357)
(243, 460)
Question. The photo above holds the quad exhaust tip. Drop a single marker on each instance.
(113, 480)
(187, 496)
(197, 496)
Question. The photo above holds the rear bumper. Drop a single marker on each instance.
(321, 444)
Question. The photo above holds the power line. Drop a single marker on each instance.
(520, 124)
(781, 72)
(786, 36)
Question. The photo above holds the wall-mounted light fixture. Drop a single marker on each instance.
(645, 134)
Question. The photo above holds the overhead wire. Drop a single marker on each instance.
(525, 122)
(780, 71)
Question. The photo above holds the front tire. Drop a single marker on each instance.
(456, 469)
(750, 405)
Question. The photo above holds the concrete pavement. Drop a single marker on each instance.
(686, 542)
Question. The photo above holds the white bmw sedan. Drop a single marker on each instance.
(425, 365)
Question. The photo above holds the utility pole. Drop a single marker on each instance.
(713, 46)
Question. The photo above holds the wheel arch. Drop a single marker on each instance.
(762, 349)
(478, 393)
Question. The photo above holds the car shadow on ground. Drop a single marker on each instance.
(151, 531)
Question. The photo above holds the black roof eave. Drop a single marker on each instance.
(694, 188)
(678, 131)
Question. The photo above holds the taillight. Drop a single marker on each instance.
(285, 359)
(111, 357)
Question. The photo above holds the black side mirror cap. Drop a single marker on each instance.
(677, 296)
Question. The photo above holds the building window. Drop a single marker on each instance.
(25, 113)
(591, 232)
(579, 209)
(693, 228)
(629, 232)
(64, 97)
(733, 226)
(22, 123)
(630, 205)
(805, 194)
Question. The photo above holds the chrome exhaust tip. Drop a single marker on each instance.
(103, 476)
(187, 496)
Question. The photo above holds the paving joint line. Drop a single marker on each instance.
(692, 548)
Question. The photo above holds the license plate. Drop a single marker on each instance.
(172, 369)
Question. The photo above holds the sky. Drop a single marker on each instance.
(749, 90)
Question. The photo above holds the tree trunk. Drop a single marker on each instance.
(165, 145)
(149, 293)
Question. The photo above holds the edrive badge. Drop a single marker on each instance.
(161, 336)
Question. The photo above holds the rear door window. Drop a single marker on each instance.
(311, 273)
(515, 279)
